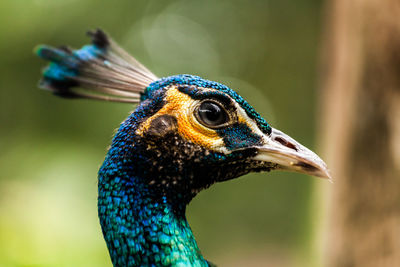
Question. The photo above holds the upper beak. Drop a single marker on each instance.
(290, 155)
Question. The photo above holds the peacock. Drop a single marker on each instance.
(185, 134)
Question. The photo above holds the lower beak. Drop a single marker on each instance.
(290, 155)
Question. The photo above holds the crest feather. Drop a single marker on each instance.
(102, 70)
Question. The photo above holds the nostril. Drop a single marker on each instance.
(285, 143)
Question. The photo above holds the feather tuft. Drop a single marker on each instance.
(102, 70)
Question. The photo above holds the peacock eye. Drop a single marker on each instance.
(211, 114)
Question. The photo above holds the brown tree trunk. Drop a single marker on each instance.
(360, 131)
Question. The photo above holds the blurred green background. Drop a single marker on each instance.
(51, 148)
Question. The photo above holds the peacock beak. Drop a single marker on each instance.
(290, 155)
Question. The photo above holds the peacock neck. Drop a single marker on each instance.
(141, 207)
(142, 228)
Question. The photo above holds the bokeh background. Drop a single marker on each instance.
(51, 148)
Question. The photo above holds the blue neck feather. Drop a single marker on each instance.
(141, 231)
(141, 226)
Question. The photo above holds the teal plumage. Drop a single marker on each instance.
(185, 134)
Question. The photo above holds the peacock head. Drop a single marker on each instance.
(187, 132)
(203, 132)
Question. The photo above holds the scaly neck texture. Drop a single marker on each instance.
(142, 225)
(142, 231)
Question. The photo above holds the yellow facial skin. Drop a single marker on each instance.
(182, 107)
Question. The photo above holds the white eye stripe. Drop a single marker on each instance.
(250, 122)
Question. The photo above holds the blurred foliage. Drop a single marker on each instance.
(51, 148)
